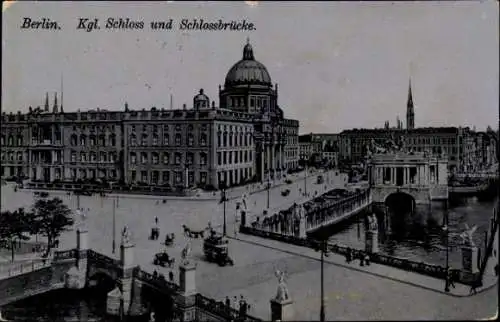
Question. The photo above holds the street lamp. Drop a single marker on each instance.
(114, 226)
(268, 187)
(223, 198)
(324, 252)
(446, 280)
(305, 180)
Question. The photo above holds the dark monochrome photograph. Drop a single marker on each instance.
(249, 161)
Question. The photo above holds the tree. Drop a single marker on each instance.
(13, 227)
(52, 217)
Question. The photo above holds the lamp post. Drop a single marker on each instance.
(305, 180)
(268, 187)
(446, 280)
(114, 226)
(323, 253)
(223, 192)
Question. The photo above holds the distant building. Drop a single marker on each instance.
(244, 138)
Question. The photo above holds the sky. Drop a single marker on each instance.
(338, 65)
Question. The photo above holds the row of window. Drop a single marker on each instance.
(19, 156)
(234, 157)
(153, 177)
(243, 139)
(92, 140)
(230, 177)
(92, 173)
(12, 141)
(166, 140)
(165, 128)
(155, 158)
(92, 157)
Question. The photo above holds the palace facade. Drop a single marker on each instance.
(245, 138)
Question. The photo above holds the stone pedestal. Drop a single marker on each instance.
(469, 259)
(302, 227)
(187, 278)
(127, 255)
(281, 310)
(82, 238)
(371, 241)
(114, 302)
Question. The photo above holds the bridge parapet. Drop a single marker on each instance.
(160, 283)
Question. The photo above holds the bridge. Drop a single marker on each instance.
(310, 216)
(82, 267)
(416, 174)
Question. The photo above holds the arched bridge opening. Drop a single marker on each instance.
(158, 300)
(101, 283)
(400, 210)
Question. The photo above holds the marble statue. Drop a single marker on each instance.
(125, 236)
(467, 235)
(282, 293)
(372, 223)
(186, 253)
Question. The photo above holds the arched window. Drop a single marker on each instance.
(73, 156)
(203, 139)
(166, 158)
(190, 139)
(102, 157)
(156, 158)
(144, 140)
(133, 158)
(133, 140)
(155, 139)
(219, 139)
(83, 157)
(93, 157)
(3, 140)
(203, 158)
(178, 139)
(19, 140)
(92, 140)
(83, 140)
(224, 139)
(112, 156)
(10, 141)
(166, 139)
(102, 140)
(178, 158)
(73, 140)
(190, 128)
(112, 140)
(189, 158)
(144, 157)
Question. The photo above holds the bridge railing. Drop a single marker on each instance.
(65, 254)
(327, 211)
(158, 281)
(11, 270)
(218, 308)
(103, 259)
(433, 270)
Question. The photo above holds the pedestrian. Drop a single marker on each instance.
(451, 278)
(367, 260)
(155, 274)
(235, 303)
(361, 260)
(474, 286)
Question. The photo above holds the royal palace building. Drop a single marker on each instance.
(245, 138)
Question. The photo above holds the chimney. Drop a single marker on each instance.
(183, 106)
(213, 105)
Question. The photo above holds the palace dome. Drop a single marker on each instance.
(248, 71)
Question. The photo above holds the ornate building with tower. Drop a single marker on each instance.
(245, 138)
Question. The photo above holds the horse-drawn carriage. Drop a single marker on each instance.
(285, 192)
(216, 249)
(163, 259)
(169, 239)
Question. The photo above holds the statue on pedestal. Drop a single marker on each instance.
(467, 236)
(125, 236)
(282, 293)
(81, 219)
(372, 223)
(186, 254)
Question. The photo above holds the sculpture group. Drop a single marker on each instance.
(282, 293)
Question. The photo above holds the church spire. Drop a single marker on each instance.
(46, 106)
(54, 109)
(410, 113)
